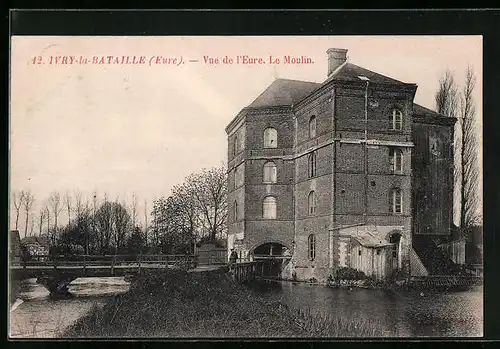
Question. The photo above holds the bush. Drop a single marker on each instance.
(349, 274)
(397, 275)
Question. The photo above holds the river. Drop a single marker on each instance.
(446, 314)
(39, 316)
(452, 314)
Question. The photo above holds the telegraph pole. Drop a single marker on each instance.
(366, 149)
(93, 226)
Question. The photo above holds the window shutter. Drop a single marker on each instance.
(399, 201)
(399, 160)
(391, 160)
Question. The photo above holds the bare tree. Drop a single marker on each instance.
(32, 225)
(47, 211)
(29, 200)
(209, 191)
(146, 231)
(154, 229)
(42, 218)
(121, 219)
(95, 239)
(104, 225)
(18, 199)
(452, 102)
(177, 220)
(78, 202)
(134, 210)
(447, 98)
(469, 169)
(68, 203)
(195, 209)
(55, 203)
(447, 103)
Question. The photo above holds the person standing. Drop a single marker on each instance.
(233, 257)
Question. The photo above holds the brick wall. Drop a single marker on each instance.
(294, 185)
(238, 137)
(256, 124)
(323, 164)
(255, 195)
(322, 109)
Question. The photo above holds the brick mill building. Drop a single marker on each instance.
(345, 173)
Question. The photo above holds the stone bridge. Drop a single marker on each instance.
(57, 274)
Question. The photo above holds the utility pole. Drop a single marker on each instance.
(93, 226)
(366, 149)
(146, 221)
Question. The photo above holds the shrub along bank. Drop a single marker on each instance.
(179, 304)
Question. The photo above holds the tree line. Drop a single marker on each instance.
(194, 212)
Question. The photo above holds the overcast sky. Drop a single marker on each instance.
(119, 129)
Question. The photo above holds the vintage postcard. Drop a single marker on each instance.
(245, 187)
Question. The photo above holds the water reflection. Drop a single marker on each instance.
(454, 314)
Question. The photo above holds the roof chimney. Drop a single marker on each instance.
(336, 57)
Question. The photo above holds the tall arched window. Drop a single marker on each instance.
(312, 203)
(396, 160)
(397, 119)
(270, 173)
(270, 138)
(311, 247)
(269, 208)
(311, 165)
(235, 211)
(396, 200)
(312, 127)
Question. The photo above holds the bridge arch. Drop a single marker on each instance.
(275, 253)
(255, 246)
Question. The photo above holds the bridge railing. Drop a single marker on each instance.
(246, 271)
(111, 260)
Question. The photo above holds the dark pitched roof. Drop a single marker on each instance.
(289, 92)
(284, 92)
(351, 72)
(423, 111)
(41, 240)
(427, 116)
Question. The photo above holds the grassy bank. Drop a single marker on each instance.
(177, 304)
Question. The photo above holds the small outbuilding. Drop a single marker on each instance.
(371, 255)
(37, 247)
(209, 253)
(377, 251)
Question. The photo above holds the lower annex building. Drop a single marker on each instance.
(344, 173)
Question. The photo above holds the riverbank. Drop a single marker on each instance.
(176, 304)
(40, 316)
